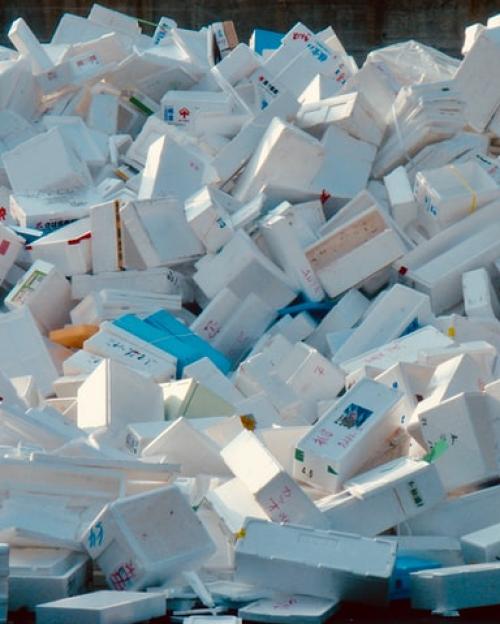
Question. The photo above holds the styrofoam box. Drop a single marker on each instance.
(327, 564)
(24, 351)
(448, 194)
(103, 607)
(114, 395)
(45, 292)
(68, 248)
(445, 550)
(458, 516)
(482, 546)
(41, 574)
(436, 266)
(147, 538)
(355, 429)
(294, 609)
(354, 251)
(383, 497)
(463, 422)
(275, 491)
(460, 587)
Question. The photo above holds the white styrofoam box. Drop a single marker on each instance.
(10, 247)
(294, 609)
(25, 42)
(45, 292)
(205, 371)
(482, 546)
(351, 112)
(401, 198)
(38, 575)
(354, 251)
(68, 248)
(44, 164)
(250, 320)
(450, 193)
(458, 516)
(103, 607)
(115, 395)
(110, 303)
(183, 443)
(208, 219)
(274, 490)
(310, 374)
(51, 211)
(66, 387)
(471, 79)
(191, 399)
(346, 165)
(396, 312)
(242, 267)
(327, 564)
(215, 315)
(104, 226)
(281, 441)
(139, 435)
(344, 315)
(173, 169)
(356, 428)
(180, 108)
(284, 245)
(445, 590)
(463, 423)
(81, 363)
(159, 233)
(275, 160)
(103, 110)
(480, 298)
(147, 538)
(405, 349)
(117, 344)
(24, 351)
(378, 500)
(161, 280)
(446, 550)
(80, 137)
(233, 503)
(273, 100)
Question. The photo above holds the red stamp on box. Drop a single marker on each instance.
(4, 247)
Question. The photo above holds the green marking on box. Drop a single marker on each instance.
(299, 455)
(331, 470)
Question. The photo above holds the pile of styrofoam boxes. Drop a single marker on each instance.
(249, 324)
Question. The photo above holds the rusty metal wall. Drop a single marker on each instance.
(361, 24)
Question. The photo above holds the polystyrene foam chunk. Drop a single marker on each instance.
(115, 395)
(448, 589)
(326, 564)
(44, 164)
(28, 45)
(103, 607)
(45, 292)
(480, 299)
(401, 199)
(146, 539)
(355, 428)
(278, 495)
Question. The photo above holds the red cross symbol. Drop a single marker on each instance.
(3, 213)
(325, 196)
(184, 112)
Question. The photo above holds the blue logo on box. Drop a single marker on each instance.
(353, 416)
(169, 113)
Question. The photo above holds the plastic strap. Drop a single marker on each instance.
(466, 185)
